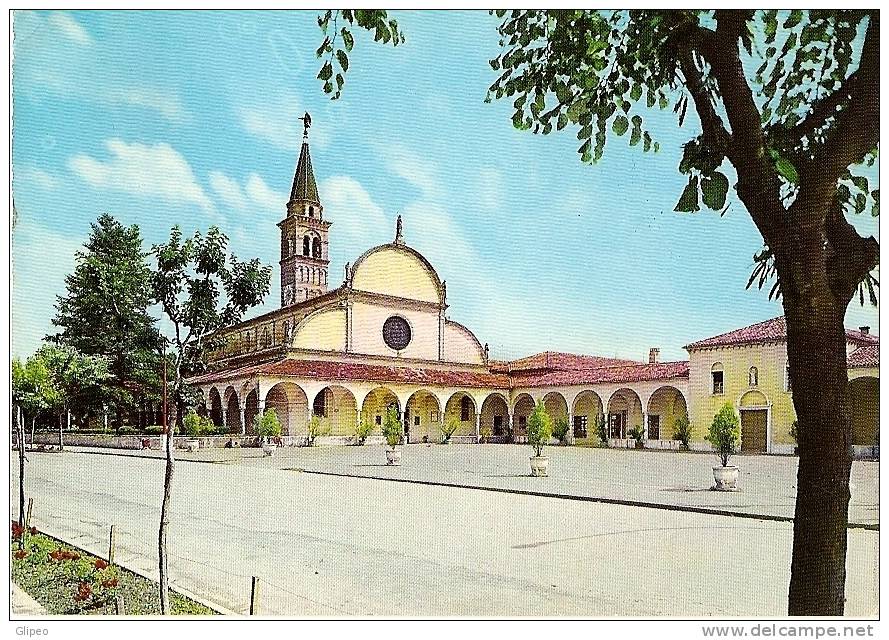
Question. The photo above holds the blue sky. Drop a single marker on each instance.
(164, 118)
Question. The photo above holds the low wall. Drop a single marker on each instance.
(109, 441)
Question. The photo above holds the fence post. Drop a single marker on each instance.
(254, 595)
(28, 516)
(119, 608)
(111, 540)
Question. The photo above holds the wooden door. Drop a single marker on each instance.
(754, 430)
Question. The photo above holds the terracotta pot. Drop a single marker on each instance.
(268, 448)
(726, 478)
(539, 465)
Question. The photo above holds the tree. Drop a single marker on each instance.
(540, 428)
(790, 101)
(32, 388)
(104, 311)
(725, 433)
(188, 279)
(75, 379)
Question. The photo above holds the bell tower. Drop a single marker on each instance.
(304, 231)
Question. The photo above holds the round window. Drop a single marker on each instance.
(396, 332)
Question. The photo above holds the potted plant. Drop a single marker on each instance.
(393, 431)
(195, 426)
(316, 427)
(637, 433)
(362, 430)
(267, 426)
(484, 434)
(540, 430)
(682, 432)
(601, 431)
(794, 433)
(725, 435)
(447, 430)
(560, 430)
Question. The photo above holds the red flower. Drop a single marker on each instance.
(17, 530)
(110, 583)
(33, 531)
(101, 564)
(21, 553)
(57, 554)
(84, 591)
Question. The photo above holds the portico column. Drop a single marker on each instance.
(243, 419)
(478, 418)
(645, 425)
(509, 423)
(224, 418)
(570, 436)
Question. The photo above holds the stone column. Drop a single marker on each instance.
(509, 423)
(570, 437)
(478, 419)
(243, 419)
(225, 418)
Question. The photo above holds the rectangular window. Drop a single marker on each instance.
(580, 424)
(416, 421)
(523, 422)
(433, 416)
(379, 420)
(464, 409)
(654, 427)
(718, 383)
(498, 426)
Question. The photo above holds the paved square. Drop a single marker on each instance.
(328, 545)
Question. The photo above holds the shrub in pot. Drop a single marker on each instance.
(560, 430)
(725, 435)
(601, 430)
(540, 430)
(362, 430)
(447, 430)
(266, 425)
(196, 426)
(317, 427)
(393, 432)
(484, 433)
(682, 432)
(637, 433)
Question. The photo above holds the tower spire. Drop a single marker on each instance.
(304, 188)
(399, 235)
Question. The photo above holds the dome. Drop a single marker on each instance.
(397, 270)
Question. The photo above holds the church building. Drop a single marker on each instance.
(383, 338)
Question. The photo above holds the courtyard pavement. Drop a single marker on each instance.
(330, 545)
(658, 478)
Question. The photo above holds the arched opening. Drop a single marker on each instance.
(337, 406)
(754, 413)
(251, 409)
(311, 211)
(306, 245)
(665, 407)
(316, 248)
(495, 416)
(523, 407)
(215, 407)
(232, 411)
(624, 413)
(375, 405)
(864, 396)
(422, 417)
(460, 408)
(289, 402)
(587, 412)
(556, 406)
(753, 377)
(717, 379)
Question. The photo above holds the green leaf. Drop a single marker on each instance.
(343, 59)
(326, 71)
(688, 201)
(714, 189)
(348, 39)
(636, 134)
(785, 168)
(636, 92)
(620, 125)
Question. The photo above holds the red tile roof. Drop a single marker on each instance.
(636, 372)
(330, 370)
(558, 361)
(774, 330)
(866, 356)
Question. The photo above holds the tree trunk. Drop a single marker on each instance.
(61, 427)
(816, 349)
(33, 426)
(20, 435)
(166, 505)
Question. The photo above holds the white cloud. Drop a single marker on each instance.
(70, 28)
(277, 121)
(228, 190)
(148, 170)
(263, 195)
(167, 104)
(35, 176)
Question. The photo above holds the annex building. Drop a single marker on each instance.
(383, 338)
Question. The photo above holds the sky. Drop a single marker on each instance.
(191, 118)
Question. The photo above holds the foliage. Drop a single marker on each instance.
(725, 433)
(104, 311)
(32, 386)
(266, 424)
(484, 433)
(637, 433)
(560, 429)
(682, 432)
(339, 40)
(317, 427)
(540, 428)
(448, 429)
(362, 430)
(68, 581)
(601, 430)
(196, 425)
(191, 278)
(74, 378)
(393, 430)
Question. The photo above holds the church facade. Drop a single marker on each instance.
(383, 338)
